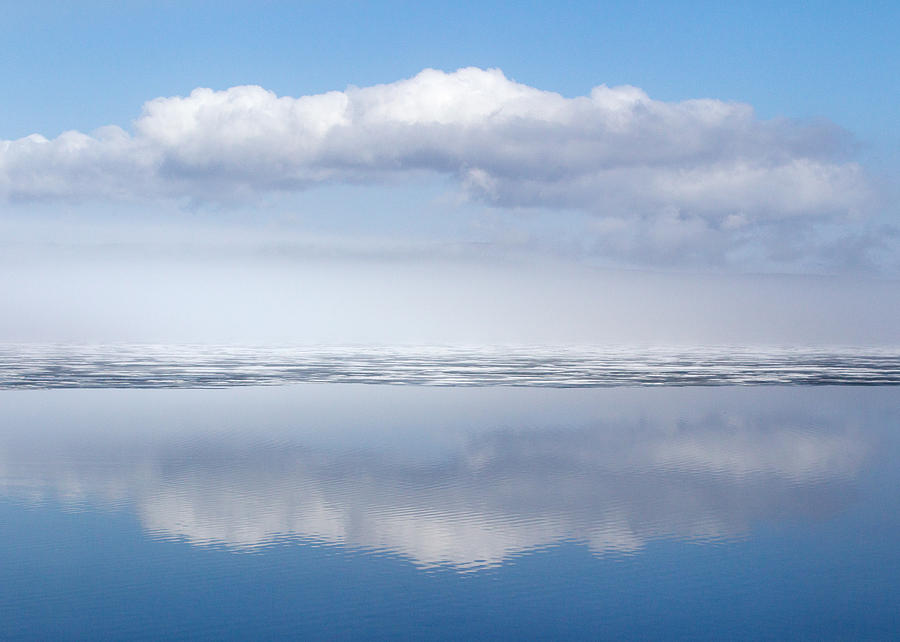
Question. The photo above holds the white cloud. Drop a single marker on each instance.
(615, 151)
(700, 181)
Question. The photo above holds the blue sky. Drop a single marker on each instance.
(804, 184)
(80, 65)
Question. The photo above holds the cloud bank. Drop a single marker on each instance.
(614, 152)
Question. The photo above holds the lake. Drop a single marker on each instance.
(348, 510)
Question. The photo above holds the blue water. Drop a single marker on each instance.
(375, 511)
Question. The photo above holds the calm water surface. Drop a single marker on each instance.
(376, 511)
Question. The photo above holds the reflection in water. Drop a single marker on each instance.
(613, 478)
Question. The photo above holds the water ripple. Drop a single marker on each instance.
(160, 366)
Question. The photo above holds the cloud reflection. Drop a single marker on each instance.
(614, 484)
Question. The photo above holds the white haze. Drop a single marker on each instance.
(201, 297)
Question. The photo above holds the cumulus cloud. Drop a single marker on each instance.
(614, 152)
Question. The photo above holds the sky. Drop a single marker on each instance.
(417, 172)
